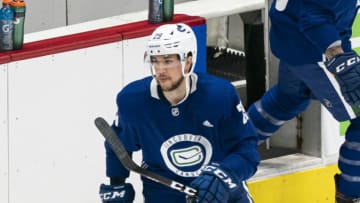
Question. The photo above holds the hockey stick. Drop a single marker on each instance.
(127, 162)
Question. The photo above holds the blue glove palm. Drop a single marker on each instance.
(214, 185)
(346, 68)
(123, 193)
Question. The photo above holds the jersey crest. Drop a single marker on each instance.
(186, 154)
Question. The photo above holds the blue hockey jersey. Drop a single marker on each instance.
(211, 125)
(301, 30)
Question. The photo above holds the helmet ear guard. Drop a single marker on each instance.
(172, 39)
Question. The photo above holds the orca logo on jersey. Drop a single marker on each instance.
(186, 161)
(187, 156)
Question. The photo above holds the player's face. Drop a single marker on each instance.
(168, 72)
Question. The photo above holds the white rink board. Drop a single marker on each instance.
(330, 134)
(4, 173)
(56, 153)
(134, 62)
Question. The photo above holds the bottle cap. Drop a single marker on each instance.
(17, 3)
(6, 1)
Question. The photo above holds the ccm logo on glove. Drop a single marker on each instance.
(347, 63)
(123, 193)
(112, 195)
(346, 68)
(221, 175)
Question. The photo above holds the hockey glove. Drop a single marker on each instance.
(123, 193)
(214, 185)
(346, 68)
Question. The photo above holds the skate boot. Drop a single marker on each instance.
(341, 198)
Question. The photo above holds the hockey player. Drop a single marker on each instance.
(191, 128)
(301, 34)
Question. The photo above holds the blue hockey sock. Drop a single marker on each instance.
(274, 108)
(264, 123)
(349, 159)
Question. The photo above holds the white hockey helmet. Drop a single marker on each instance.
(173, 39)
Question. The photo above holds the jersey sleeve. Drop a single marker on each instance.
(324, 22)
(240, 141)
(318, 26)
(128, 136)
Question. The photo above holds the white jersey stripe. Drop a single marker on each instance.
(335, 84)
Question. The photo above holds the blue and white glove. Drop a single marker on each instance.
(123, 193)
(214, 185)
(346, 68)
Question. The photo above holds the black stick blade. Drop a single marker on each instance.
(115, 144)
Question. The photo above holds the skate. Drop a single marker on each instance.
(341, 198)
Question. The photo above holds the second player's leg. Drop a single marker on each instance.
(289, 97)
(348, 182)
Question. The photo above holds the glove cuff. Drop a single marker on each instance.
(117, 181)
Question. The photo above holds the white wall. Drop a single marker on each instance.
(4, 173)
(134, 63)
(47, 14)
(56, 153)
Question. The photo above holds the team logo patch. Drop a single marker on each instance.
(175, 111)
(186, 154)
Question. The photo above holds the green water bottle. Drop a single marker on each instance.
(168, 10)
(19, 9)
